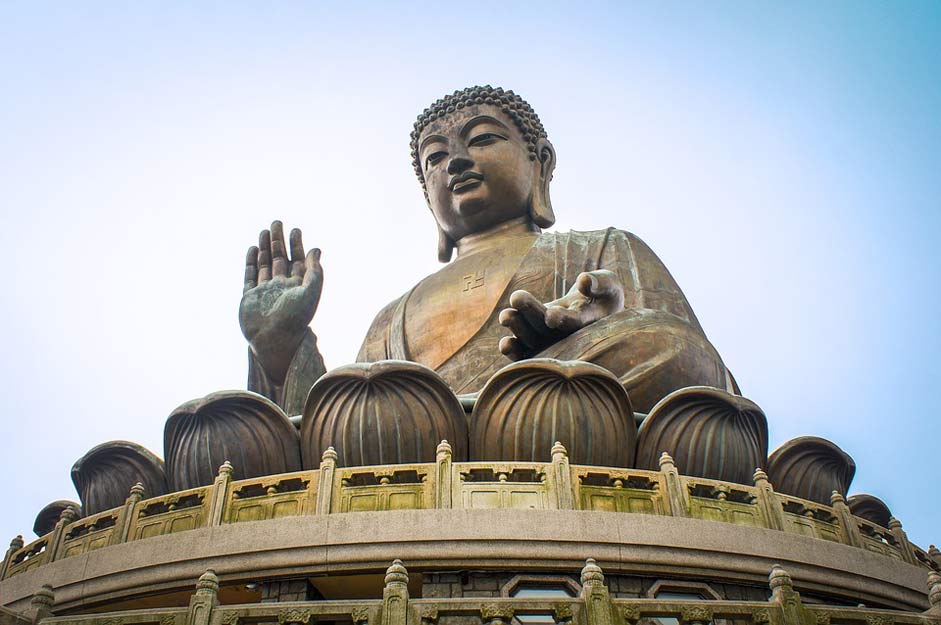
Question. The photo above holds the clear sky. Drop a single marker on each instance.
(783, 159)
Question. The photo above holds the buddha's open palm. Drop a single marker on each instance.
(280, 297)
(536, 326)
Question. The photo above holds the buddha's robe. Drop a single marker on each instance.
(654, 346)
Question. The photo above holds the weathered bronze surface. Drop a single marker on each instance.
(380, 413)
(870, 508)
(513, 292)
(529, 405)
(708, 432)
(248, 430)
(49, 515)
(811, 468)
(104, 476)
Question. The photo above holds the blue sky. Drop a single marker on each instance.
(781, 159)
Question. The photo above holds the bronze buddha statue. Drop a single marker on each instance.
(512, 292)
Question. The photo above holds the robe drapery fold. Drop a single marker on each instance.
(656, 345)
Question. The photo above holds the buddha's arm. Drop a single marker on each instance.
(291, 392)
(376, 345)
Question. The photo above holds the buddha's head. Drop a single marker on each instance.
(483, 159)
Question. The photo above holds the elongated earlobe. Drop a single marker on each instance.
(541, 210)
(445, 246)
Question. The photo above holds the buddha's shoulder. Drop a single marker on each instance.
(604, 236)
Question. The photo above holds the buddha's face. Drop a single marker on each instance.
(477, 170)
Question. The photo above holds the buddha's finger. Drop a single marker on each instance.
(563, 319)
(279, 258)
(601, 284)
(511, 348)
(313, 273)
(297, 253)
(264, 256)
(251, 268)
(532, 310)
(512, 319)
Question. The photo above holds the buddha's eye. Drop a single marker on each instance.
(434, 158)
(485, 138)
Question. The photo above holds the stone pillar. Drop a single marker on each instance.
(676, 493)
(443, 475)
(122, 530)
(204, 600)
(328, 467)
(908, 553)
(598, 606)
(67, 516)
(395, 595)
(219, 495)
(770, 506)
(934, 594)
(15, 545)
(784, 595)
(561, 478)
(847, 522)
(40, 606)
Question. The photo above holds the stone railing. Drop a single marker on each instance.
(592, 606)
(447, 484)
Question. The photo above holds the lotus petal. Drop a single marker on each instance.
(247, 429)
(48, 517)
(104, 476)
(811, 468)
(870, 508)
(386, 412)
(529, 405)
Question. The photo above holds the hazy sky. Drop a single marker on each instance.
(783, 159)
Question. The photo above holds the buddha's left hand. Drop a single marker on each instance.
(536, 325)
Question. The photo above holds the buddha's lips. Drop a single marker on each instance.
(465, 177)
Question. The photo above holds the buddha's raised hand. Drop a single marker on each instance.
(536, 325)
(280, 297)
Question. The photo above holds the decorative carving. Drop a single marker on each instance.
(46, 519)
(696, 614)
(229, 617)
(494, 612)
(822, 618)
(386, 412)
(562, 612)
(709, 433)
(879, 619)
(104, 476)
(167, 619)
(870, 508)
(761, 616)
(361, 615)
(529, 405)
(294, 615)
(811, 468)
(248, 430)
(631, 614)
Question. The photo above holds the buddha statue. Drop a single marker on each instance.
(508, 290)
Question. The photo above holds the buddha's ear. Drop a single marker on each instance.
(541, 211)
(445, 246)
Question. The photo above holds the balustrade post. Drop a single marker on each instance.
(784, 595)
(768, 501)
(561, 478)
(908, 553)
(126, 518)
(40, 606)
(598, 607)
(15, 545)
(67, 516)
(219, 495)
(934, 593)
(677, 494)
(204, 600)
(935, 554)
(846, 520)
(328, 470)
(395, 595)
(443, 456)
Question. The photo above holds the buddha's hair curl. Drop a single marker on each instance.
(515, 107)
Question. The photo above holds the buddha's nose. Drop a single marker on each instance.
(459, 162)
